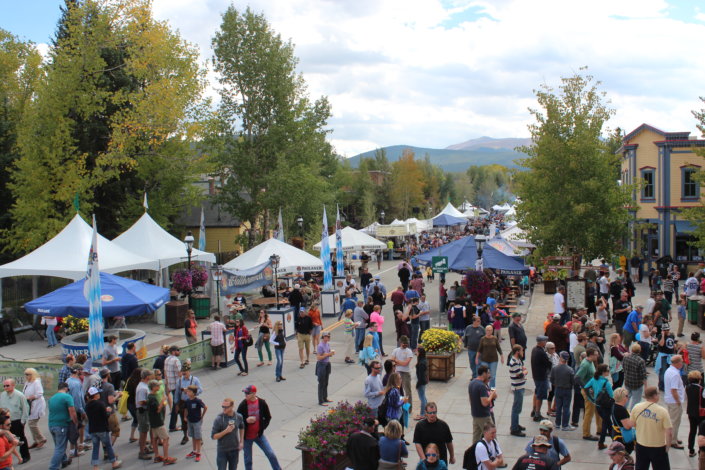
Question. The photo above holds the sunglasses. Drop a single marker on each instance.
(431, 455)
(431, 412)
(225, 407)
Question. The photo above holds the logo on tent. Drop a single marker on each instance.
(107, 298)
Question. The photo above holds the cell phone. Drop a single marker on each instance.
(231, 422)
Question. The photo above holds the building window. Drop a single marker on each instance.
(690, 189)
(685, 251)
(647, 188)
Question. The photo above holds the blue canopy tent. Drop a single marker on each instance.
(494, 259)
(120, 297)
(445, 220)
(462, 254)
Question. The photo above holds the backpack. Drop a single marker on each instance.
(382, 411)
(469, 459)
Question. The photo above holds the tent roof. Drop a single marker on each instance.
(503, 264)
(450, 210)
(291, 259)
(354, 240)
(506, 247)
(148, 239)
(372, 228)
(444, 220)
(66, 255)
(119, 296)
(462, 254)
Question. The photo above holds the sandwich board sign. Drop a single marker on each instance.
(439, 264)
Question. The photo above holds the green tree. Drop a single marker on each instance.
(407, 186)
(273, 150)
(571, 202)
(112, 118)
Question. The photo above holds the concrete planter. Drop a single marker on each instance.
(78, 343)
(549, 287)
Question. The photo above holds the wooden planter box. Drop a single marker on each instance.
(441, 366)
(341, 461)
(549, 287)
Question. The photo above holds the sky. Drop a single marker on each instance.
(432, 73)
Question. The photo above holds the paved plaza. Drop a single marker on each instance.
(293, 402)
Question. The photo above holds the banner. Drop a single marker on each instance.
(91, 291)
(202, 232)
(339, 262)
(279, 233)
(325, 254)
(233, 282)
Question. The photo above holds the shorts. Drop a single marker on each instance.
(541, 389)
(302, 340)
(142, 420)
(114, 425)
(316, 330)
(194, 429)
(160, 433)
(218, 350)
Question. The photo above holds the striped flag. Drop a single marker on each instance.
(280, 228)
(145, 204)
(91, 291)
(202, 232)
(325, 255)
(339, 263)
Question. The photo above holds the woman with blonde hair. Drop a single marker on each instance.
(34, 393)
(617, 352)
(265, 327)
(391, 447)
(349, 325)
(279, 343)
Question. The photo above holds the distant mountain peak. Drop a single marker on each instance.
(491, 143)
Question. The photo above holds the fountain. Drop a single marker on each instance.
(78, 343)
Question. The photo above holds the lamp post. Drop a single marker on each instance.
(217, 276)
(381, 215)
(300, 223)
(188, 241)
(275, 263)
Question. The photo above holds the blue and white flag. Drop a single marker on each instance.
(202, 232)
(145, 204)
(339, 263)
(91, 291)
(280, 228)
(325, 255)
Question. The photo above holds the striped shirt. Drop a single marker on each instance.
(516, 373)
(216, 328)
(349, 325)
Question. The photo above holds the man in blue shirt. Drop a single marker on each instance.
(631, 327)
(558, 448)
(378, 283)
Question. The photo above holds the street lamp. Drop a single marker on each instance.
(217, 276)
(275, 264)
(381, 214)
(300, 223)
(188, 241)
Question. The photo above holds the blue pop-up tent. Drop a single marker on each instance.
(462, 254)
(120, 297)
(501, 263)
(446, 220)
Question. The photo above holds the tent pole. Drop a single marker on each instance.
(35, 287)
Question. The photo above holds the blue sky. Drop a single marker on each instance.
(433, 73)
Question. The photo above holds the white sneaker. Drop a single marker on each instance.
(568, 428)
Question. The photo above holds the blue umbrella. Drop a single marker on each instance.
(461, 254)
(120, 297)
(492, 258)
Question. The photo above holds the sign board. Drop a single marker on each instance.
(576, 293)
(439, 264)
(401, 230)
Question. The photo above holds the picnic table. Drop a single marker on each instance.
(267, 301)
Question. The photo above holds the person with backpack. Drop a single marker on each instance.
(537, 457)
(599, 391)
(557, 451)
(485, 454)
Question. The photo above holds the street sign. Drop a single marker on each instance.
(439, 264)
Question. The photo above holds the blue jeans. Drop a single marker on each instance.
(516, 409)
(493, 371)
(225, 459)
(279, 354)
(413, 341)
(51, 336)
(263, 444)
(241, 353)
(563, 398)
(98, 439)
(421, 390)
(473, 366)
(635, 397)
(60, 435)
(359, 337)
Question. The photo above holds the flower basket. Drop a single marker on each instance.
(73, 325)
(438, 341)
(186, 281)
(478, 286)
(322, 442)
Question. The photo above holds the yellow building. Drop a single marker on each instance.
(222, 229)
(662, 165)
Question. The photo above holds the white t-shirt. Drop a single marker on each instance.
(672, 381)
(691, 286)
(481, 454)
(604, 285)
(650, 304)
(573, 339)
(558, 301)
(402, 355)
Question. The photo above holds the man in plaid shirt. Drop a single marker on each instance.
(217, 342)
(634, 368)
(172, 373)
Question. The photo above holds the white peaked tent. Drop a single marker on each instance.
(291, 259)
(516, 236)
(397, 222)
(511, 213)
(466, 206)
(450, 210)
(371, 229)
(421, 225)
(148, 239)
(354, 240)
(66, 255)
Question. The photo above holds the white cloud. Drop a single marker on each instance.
(433, 73)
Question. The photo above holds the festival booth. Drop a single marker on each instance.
(502, 264)
(353, 241)
(291, 261)
(445, 220)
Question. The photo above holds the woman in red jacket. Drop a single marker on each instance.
(242, 340)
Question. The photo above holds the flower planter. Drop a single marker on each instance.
(549, 287)
(441, 366)
(340, 461)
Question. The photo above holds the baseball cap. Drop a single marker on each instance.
(93, 391)
(615, 448)
(556, 316)
(297, 286)
(249, 389)
(516, 314)
(325, 333)
(377, 276)
(546, 425)
(77, 368)
(541, 339)
(565, 355)
(174, 348)
(541, 441)
(104, 373)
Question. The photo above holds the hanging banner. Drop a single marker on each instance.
(246, 279)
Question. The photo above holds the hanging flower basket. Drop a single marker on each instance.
(186, 281)
(478, 286)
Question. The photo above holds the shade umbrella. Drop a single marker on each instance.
(462, 254)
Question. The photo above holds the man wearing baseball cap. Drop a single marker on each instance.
(537, 457)
(557, 446)
(255, 413)
(97, 414)
(540, 368)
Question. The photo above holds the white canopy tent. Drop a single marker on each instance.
(421, 225)
(516, 236)
(291, 259)
(397, 222)
(371, 229)
(148, 239)
(354, 240)
(66, 255)
(450, 210)
(511, 213)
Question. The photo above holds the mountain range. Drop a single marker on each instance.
(458, 157)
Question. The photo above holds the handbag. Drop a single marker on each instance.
(122, 403)
(628, 435)
(248, 341)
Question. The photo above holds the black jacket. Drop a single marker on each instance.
(363, 451)
(264, 416)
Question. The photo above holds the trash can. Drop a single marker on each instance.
(701, 314)
(176, 313)
(201, 305)
(693, 307)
